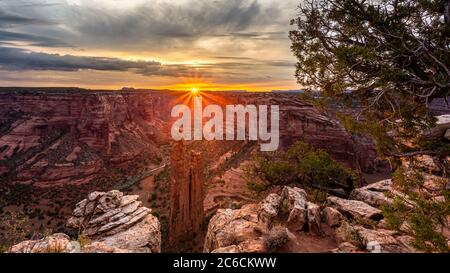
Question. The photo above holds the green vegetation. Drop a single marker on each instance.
(423, 217)
(390, 58)
(380, 64)
(303, 164)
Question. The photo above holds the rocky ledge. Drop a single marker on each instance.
(262, 227)
(108, 222)
(355, 224)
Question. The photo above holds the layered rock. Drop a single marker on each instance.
(61, 243)
(332, 217)
(293, 202)
(301, 121)
(108, 222)
(371, 240)
(117, 221)
(262, 227)
(354, 224)
(374, 194)
(53, 138)
(354, 208)
(56, 243)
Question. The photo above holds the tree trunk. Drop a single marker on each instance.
(447, 12)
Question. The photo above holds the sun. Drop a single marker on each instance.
(194, 90)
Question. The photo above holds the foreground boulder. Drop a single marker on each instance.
(233, 227)
(354, 208)
(374, 194)
(117, 221)
(56, 243)
(332, 217)
(269, 208)
(109, 222)
(377, 241)
(294, 204)
(61, 243)
(263, 227)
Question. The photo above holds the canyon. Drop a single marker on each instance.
(59, 145)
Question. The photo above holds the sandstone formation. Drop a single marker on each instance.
(117, 221)
(273, 223)
(262, 227)
(332, 217)
(293, 202)
(371, 240)
(107, 222)
(186, 194)
(56, 243)
(61, 243)
(53, 137)
(374, 194)
(354, 208)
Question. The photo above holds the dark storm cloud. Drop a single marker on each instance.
(152, 25)
(8, 36)
(18, 59)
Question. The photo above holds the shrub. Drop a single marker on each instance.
(425, 216)
(276, 238)
(15, 229)
(304, 164)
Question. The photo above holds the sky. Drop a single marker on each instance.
(154, 44)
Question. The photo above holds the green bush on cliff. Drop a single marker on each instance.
(418, 213)
(305, 165)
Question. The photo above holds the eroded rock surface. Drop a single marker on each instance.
(108, 222)
(354, 208)
(374, 194)
(56, 243)
(262, 227)
(117, 221)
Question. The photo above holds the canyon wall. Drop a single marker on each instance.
(301, 121)
(56, 137)
(50, 139)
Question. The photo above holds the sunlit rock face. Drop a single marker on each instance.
(50, 139)
(300, 121)
(108, 222)
(54, 137)
(274, 224)
(117, 221)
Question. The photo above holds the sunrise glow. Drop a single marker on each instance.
(106, 49)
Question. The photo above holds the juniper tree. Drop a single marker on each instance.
(391, 57)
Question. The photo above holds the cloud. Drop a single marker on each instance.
(8, 36)
(158, 25)
(230, 40)
(19, 59)
(8, 20)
